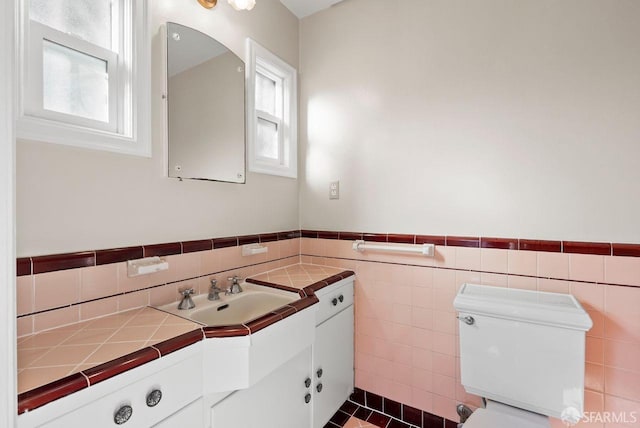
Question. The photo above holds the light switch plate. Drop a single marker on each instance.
(334, 190)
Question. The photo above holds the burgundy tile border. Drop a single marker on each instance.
(463, 241)
(170, 345)
(431, 239)
(292, 234)
(117, 255)
(304, 303)
(42, 264)
(120, 365)
(44, 394)
(23, 266)
(248, 239)
(324, 234)
(308, 234)
(350, 236)
(375, 237)
(499, 243)
(268, 237)
(540, 245)
(195, 246)
(225, 331)
(272, 285)
(264, 321)
(401, 238)
(631, 250)
(383, 412)
(225, 242)
(285, 311)
(168, 249)
(600, 248)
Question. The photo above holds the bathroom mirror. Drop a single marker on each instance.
(205, 107)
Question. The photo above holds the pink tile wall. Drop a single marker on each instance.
(53, 299)
(406, 331)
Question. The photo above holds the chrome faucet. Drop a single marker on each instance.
(187, 301)
(234, 288)
(214, 291)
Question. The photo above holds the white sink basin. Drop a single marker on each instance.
(240, 308)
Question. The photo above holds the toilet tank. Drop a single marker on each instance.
(523, 348)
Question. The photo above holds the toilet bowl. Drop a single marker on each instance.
(523, 352)
(499, 415)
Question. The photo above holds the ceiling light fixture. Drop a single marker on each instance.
(242, 4)
(236, 4)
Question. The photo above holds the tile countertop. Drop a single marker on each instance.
(57, 362)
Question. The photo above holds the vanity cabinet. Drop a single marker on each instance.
(280, 400)
(333, 372)
(165, 392)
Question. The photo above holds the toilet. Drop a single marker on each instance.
(523, 352)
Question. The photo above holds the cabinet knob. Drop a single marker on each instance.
(341, 298)
(319, 387)
(123, 414)
(334, 302)
(307, 398)
(154, 397)
(319, 373)
(307, 382)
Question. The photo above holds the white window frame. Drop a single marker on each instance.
(262, 60)
(128, 130)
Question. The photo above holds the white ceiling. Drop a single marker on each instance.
(302, 8)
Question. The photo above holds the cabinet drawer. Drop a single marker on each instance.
(179, 384)
(334, 299)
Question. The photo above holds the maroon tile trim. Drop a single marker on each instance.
(308, 234)
(272, 285)
(117, 255)
(325, 234)
(44, 394)
(316, 286)
(268, 237)
(170, 345)
(431, 239)
(248, 239)
(120, 365)
(225, 242)
(263, 321)
(375, 237)
(195, 246)
(500, 243)
(226, 331)
(285, 311)
(162, 249)
(301, 304)
(539, 245)
(401, 238)
(632, 250)
(350, 236)
(463, 241)
(282, 236)
(23, 266)
(42, 264)
(601, 248)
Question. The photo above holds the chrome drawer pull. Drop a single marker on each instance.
(468, 320)
(123, 414)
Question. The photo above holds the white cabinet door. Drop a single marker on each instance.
(277, 401)
(190, 416)
(333, 355)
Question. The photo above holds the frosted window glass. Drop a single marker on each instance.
(265, 94)
(267, 139)
(86, 19)
(74, 83)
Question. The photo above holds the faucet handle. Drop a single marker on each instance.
(214, 283)
(187, 292)
(235, 279)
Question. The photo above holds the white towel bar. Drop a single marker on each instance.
(424, 249)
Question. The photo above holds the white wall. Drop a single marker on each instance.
(72, 199)
(491, 118)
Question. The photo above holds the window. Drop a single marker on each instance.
(85, 74)
(271, 113)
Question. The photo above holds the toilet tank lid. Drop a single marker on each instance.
(555, 309)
